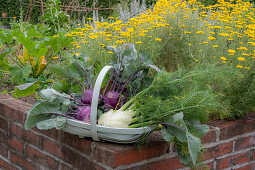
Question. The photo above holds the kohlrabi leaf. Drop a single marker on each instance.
(177, 127)
(194, 145)
(41, 111)
(52, 95)
(166, 135)
(61, 86)
(57, 122)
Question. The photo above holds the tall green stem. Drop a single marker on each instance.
(132, 100)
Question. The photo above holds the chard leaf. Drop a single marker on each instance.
(57, 122)
(26, 89)
(39, 112)
(16, 74)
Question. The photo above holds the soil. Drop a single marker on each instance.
(6, 87)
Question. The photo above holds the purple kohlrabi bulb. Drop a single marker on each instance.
(111, 99)
(83, 113)
(86, 97)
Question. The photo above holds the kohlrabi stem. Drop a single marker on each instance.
(85, 83)
(169, 124)
(108, 84)
(129, 79)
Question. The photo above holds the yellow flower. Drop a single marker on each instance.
(187, 32)
(215, 46)
(247, 67)
(212, 32)
(55, 57)
(77, 53)
(110, 52)
(219, 27)
(78, 46)
(84, 42)
(245, 54)
(189, 44)
(211, 38)
(108, 39)
(224, 34)
(138, 42)
(231, 51)
(205, 42)
(224, 58)
(158, 39)
(149, 36)
(224, 61)
(90, 18)
(56, 36)
(68, 35)
(199, 32)
(243, 48)
(239, 66)
(241, 59)
(196, 60)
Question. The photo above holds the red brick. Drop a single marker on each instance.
(3, 124)
(245, 142)
(168, 164)
(82, 145)
(3, 150)
(27, 136)
(241, 158)
(250, 166)
(51, 146)
(210, 136)
(208, 166)
(116, 154)
(4, 96)
(14, 109)
(217, 150)
(74, 158)
(20, 161)
(253, 155)
(6, 166)
(52, 133)
(229, 129)
(64, 167)
(15, 144)
(3, 137)
(224, 163)
(40, 158)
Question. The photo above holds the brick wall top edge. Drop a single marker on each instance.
(113, 150)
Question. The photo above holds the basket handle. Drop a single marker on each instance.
(94, 103)
(95, 97)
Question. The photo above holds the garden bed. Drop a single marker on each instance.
(229, 144)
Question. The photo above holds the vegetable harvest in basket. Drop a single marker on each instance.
(174, 103)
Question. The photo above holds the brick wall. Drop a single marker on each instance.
(229, 144)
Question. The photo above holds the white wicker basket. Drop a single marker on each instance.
(97, 132)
